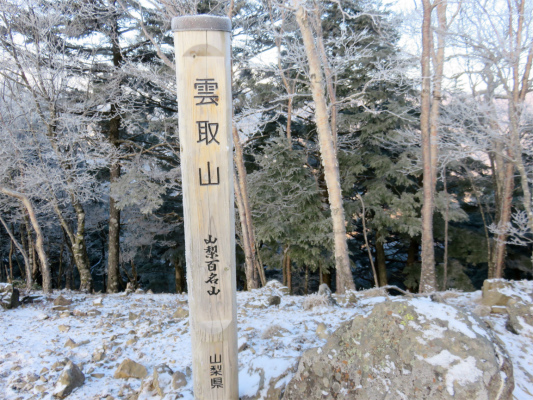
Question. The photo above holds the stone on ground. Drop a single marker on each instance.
(410, 349)
(71, 378)
(130, 369)
(9, 296)
(61, 301)
(162, 379)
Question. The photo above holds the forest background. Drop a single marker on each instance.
(371, 147)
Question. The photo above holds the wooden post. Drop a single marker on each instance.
(203, 66)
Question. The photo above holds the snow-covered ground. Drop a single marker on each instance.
(146, 328)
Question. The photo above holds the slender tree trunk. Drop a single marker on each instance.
(306, 290)
(245, 240)
(505, 218)
(10, 277)
(24, 255)
(446, 223)
(179, 276)
(245, 212)
(380, 261)
(79, 251)
(113, 254)
(329, 160)
(114, 237)
(370, 258)
(46, 274)
(289, 272)
(60, 269)
(428, 281)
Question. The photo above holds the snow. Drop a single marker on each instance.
(141, 327)
(458, 370)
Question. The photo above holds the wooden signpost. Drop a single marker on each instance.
(203, 66)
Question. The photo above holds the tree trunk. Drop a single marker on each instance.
(245, 239)
(10, 277)
(24, 255)
(179, 276)
(380, 261)
(46, 274)
(245, 212)
(505, 218)
(329, 160)
(446, 223)
(113, 253)
(325, 277)
(79, 251)
(289, 272)
(428, 282)
(114, 237)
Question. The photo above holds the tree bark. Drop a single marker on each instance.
(245, 212)
(46, 274)
(328, 154)
(380, 261)
(113, 254)
(79, 251)
(10, 276)
(428, 282)
(24, 255)
(505, 218)
(179, 276)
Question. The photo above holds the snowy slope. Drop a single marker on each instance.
(143, 328)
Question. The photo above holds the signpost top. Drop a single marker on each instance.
(201, 22)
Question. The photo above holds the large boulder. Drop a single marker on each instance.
(407, 349)
(9, 296)
(498, 292)
(71, 378)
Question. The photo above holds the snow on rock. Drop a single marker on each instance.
(33, 353)
(416, 347)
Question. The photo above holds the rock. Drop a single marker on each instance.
(482, 311)
(150, 291)
(93, 313)
(322, 331)
(415, 348)
(181, 313)
(132, 316)
(130, 369)
(497, 292)
(9, 296)
(520, 318)
(324, 290)
(498, 310)
(274, 300)
(99, 302)
(60, 308)
(79, 313)
(71, 378)
(64, 314)
(132, 341)
(61, 301)
(162, 379)
(139, 291)
(71, 343)
(179, 380)
(99, 354)
(63, 328)
(42, 317)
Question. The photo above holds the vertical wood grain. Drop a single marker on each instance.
(208, 211)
